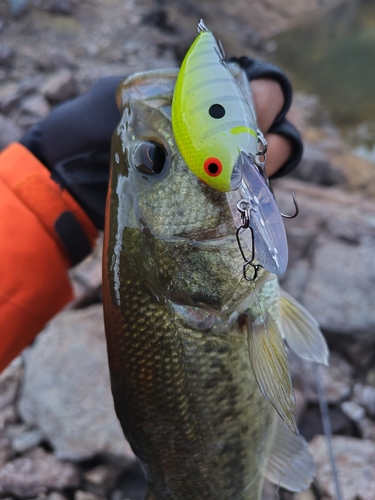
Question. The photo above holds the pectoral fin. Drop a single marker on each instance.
(270, 367)
(301, 330)
(290, 463)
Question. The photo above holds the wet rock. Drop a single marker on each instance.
(365, 396)
(355, 460)
(36, 473)
(66, 392)
(9, 132)
(60, 86)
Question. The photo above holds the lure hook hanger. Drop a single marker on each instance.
(243, 206)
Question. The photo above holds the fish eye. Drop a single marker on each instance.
(149, 158)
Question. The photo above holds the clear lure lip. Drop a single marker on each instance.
(270, 245)
(236, 177)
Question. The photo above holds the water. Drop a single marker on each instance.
(333, 55)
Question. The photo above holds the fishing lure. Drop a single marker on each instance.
(211, 119)
(214, 125)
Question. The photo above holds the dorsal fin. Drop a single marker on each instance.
(301, 330)
(290, 463)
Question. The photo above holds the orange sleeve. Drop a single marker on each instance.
(34, 284)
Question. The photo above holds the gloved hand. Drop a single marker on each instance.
(74, 143)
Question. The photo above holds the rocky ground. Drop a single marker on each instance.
(56, 442)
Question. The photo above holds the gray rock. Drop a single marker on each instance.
(355, 459)
(10, 96)
(367, 428)
(336, 285)
(9, 132)
(365, 396)
(336, 378)
(56, 496)
(7, 415)
(27, 440)
(315, 167)
(5, 451)
(36, 106)
(66, 391)
(63, 7)
(84, 495)
(353, 410)
(7, 55)
(10, 380)
(60, 86)
(36, 473)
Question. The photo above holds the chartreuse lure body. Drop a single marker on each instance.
(211, 119)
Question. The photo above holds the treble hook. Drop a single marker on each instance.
(296, 209)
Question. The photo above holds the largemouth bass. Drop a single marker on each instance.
(199, 374)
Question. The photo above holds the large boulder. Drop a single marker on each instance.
(66, 389)
(332, 262)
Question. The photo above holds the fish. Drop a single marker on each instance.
(197, 354)
(215, 128)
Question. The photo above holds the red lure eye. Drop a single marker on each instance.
(213, 167)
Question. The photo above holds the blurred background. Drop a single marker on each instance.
(59, 437)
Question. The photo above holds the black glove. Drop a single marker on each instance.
(281, 126)
(74, 143)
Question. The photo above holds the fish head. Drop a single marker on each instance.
(177, 232)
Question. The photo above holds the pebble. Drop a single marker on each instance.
(36, 473)
(9, 97)
(355, 459)
(84, 495)
(353, 410)
(59, 86)
(365, 396)
(367, 428)
(54, 495)
(7, 55)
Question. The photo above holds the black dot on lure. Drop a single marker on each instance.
(217, 111)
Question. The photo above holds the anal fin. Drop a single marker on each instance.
(290, 463)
